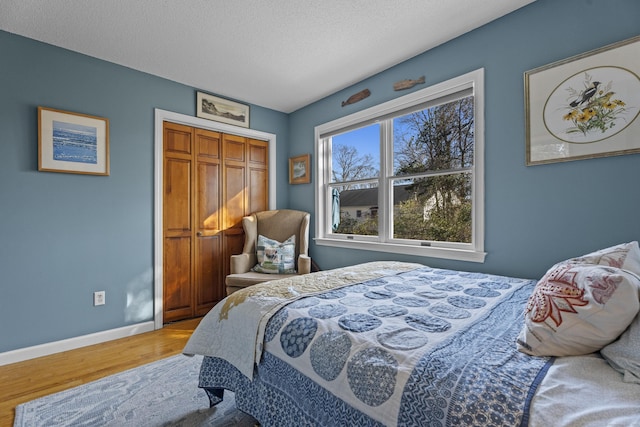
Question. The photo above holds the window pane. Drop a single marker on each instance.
(356, 154)
(358, 211)
(435, 209)
(437, 138)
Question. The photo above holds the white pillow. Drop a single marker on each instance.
(578, 309)
(624, 354)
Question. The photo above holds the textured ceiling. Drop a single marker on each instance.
(280, 54)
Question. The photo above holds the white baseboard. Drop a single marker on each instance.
(27, 353)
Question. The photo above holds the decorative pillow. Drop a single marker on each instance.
(625, 256)
(578, 309)
(275, 257)
(624, 354)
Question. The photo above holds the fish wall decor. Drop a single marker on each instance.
(357, 97)
(408, 83)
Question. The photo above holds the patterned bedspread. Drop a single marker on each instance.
(234, 329)
(412, 346)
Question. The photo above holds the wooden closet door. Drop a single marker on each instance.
(177, 222)
(257, 175)
(209, 264)
(193, 261)
(234, 195)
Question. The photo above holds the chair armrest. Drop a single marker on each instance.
(304, 264)
(241, 263)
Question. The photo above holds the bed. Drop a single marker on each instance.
(393, 343)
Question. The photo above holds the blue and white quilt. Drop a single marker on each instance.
(413, 346)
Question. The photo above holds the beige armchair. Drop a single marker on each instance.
(277, 225)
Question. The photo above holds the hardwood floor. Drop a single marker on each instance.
(24, 381)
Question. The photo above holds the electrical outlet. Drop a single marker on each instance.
(98, 298)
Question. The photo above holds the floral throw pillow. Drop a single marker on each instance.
(625, 256)
(275, 257)
(578, 309)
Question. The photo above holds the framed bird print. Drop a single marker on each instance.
(585, 106)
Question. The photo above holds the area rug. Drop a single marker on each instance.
(162, 393)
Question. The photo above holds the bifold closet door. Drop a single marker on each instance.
(192, 261)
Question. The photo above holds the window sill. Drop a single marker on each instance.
(425, 251)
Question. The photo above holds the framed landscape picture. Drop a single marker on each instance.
(72, 142)
(299, 169)
(584, 107)
(222, 110)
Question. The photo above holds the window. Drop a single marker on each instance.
(406, 176)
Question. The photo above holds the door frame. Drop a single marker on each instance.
(169, 116)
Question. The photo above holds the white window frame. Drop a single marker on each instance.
(473, 251)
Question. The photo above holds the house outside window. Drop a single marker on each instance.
(407, 176)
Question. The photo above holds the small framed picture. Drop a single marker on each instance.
(72, 142)
(222, 110)
(300, 169)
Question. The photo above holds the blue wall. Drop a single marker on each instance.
(64, 236)
(535, 215)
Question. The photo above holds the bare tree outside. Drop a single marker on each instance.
(349, 165)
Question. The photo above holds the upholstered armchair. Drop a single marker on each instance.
(274, 225)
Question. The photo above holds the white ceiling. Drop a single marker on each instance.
(280, 54)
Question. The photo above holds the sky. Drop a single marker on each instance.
(366, 140)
